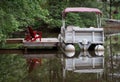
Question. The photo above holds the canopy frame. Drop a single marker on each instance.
(81, 9)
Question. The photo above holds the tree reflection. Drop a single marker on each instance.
(48, 71)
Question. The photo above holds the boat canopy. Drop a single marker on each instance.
(80, 9)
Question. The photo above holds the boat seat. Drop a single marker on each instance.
(69, 28)
(32, 35)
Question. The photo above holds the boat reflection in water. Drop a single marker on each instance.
(85, 63)
(68, 67)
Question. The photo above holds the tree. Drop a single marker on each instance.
(56, 7)
(16, 14)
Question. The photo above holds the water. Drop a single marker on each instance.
(85, 66)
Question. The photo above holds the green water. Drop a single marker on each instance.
(58, 66)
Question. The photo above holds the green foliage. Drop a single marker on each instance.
(12, 46)
(17, 14)
(115, 3)
(56, 9)
(20, 13)
(81, 19)
(12, 68)
(74, 19)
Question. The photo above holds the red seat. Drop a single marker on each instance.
(33, 35)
